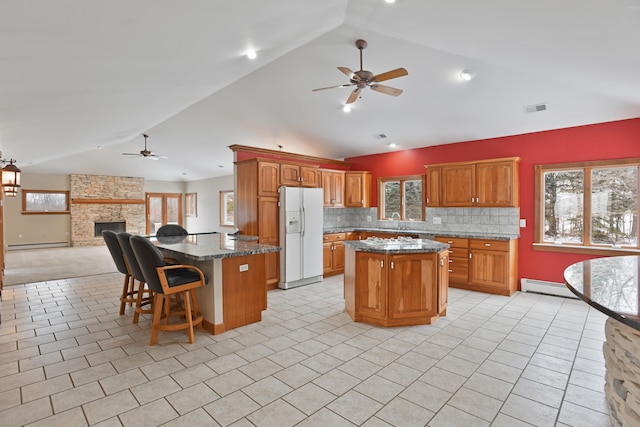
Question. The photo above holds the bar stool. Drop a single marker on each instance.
(167, 280)
(128, 293)
(136, 272)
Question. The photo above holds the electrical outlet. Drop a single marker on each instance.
(338, 218)
(244, 267)
(523, 223)
(437, 220)
(368, 218)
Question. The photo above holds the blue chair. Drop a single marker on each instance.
(166, 280)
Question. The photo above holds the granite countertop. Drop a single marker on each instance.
(610, 285)
(208, 246)
(423, 234)
(397, 247)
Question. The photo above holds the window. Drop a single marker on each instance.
(589, 205)
(401, 198)
(191, 204)
(226, 208)
(163, 208)
(45, 202)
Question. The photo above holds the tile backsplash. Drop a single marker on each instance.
(485, 220)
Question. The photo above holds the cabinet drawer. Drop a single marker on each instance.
(455, 242)
(458, 252)
(459, 262)
(494, 245)
(334, 237)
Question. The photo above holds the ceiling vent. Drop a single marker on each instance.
(534, 108)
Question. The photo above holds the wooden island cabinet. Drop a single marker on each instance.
(396, 285)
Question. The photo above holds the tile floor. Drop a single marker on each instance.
(67, 358)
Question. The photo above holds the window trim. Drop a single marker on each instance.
(402, 179)
(581, 248)
(191, 204)
(25, 192)
(223, 210)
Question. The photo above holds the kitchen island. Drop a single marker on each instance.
(235, 266)
(612, 285)
(396, 282)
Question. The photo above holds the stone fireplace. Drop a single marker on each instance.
(111, 201)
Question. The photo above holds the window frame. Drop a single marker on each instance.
(223, 209)
(191, 204)
(26, 192)
(586, 246)
(402, 180)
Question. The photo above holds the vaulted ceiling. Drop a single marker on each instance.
(81, 81)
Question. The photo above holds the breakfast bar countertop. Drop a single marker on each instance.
(208, 246)
(425, 234)
(396, 246)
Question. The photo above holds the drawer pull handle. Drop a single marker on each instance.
(449, 241)
(487, 244)
(450, 271)
(450, 260)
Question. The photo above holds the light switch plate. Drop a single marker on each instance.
(437, 220)
(244, 267)
(523, 223)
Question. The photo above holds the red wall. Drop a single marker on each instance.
(612, 140)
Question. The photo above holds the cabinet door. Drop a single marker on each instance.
(489, 268)
(268, 234)
(357, 189)
(309, 177)
(327, 257)
(338, 256)
(289, 175)
(458, 185)
(443, 282)
(497, 184)
(434, 184)
(412, 285)
(371, 285)
(268, 179)
(337, 189)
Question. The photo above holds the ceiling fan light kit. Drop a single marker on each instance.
(366, 79)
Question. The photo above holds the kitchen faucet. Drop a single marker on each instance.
(396, 215)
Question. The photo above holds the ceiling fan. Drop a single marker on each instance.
(362, 79)
(146, 153)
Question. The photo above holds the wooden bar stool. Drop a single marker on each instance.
(166, 281)
(144, 295)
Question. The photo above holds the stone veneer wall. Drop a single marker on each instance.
(120, 190)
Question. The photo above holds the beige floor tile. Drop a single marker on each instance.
(309, 398)
(297, 375)
(443, 379)
(324, 418)
(46, 388)
(199, 417)
(109, 406)
(354, 406)
(578, 416)
(539, 392)
(229, 382)
(193, 375)
(474, 403)
(337, 382)
(259, 369)
(231, 408)
(426, 395)
(152, 414)
(76, 397)
(529, 411)
(278, 413)
(123, 381)
(28, 412)
(93, 373)
(266, 390)
(378, 388)
(401, 412)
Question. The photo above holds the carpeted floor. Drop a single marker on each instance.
(39, 265)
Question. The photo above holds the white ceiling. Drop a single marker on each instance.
(77, 74)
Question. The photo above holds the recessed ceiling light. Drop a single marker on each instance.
(393, 145)
(346, 108)
(467, 75)
(251, 54)
(390, 1)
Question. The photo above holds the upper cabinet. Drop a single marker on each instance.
(333, 187)
(296, 175)
(268, 178)
(357, 189)
(487, 183)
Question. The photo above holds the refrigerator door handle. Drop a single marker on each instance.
(303, 221)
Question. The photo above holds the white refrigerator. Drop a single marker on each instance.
(300, 236)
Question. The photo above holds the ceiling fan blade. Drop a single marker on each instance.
(350, 74)
(386, 89)
(130, 154)
(398, 72)
(331, 87)
(152, 157)
(353, 97)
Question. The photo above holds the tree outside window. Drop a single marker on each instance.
(227, 208)
(402, 196)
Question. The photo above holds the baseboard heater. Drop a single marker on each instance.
(38, 246)
(544, 287)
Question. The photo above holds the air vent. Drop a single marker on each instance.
(382, 136)
(534, 108)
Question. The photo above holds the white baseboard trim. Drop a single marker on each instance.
(38, 246)
(544, 287)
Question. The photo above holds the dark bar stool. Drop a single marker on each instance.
(136, 272)
(167, 280)
(128, 293)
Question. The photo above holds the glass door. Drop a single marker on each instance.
(163, 208)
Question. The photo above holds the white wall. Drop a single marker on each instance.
(208, 204)
(164, 186)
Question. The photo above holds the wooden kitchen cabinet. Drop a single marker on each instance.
(268, 181)
(434, 187)
(296, 175)
(483, 265)
(333, 188)
(333, 254)
(395, 290)
(487, 183)
(443, 283)
(357, 189)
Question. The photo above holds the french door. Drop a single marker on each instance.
(163, 208)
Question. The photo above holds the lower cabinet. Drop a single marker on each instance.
(395, 290)
(483, 265)
(333, 254)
